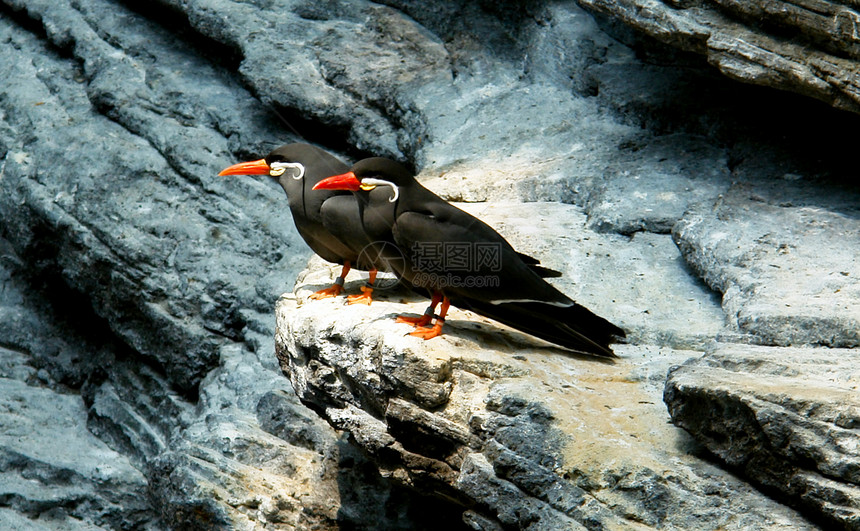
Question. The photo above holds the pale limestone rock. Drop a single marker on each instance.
(49, 460)
(538, 437)
(761, 246)
(789, 418)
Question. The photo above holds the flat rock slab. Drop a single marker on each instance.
(762, 247)
(519, 432)
(640, 282)
(789, 418)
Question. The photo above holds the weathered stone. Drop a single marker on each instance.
(50, 463)
(639, 280)
(786, 417)
(535, 438)
(130, 452)
(805, 47)
(760, 246)
(653, 189)
(9, 519)
(54, 473)
(117, 117)
(133, 227)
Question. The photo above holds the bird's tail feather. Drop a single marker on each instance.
(574, 327)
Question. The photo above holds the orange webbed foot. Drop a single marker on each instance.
(423, 320)
(436, 329)
(333, 291)
(366, 296)
(429, 333)
(335, 288)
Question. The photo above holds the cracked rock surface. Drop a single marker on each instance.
(701, 214)
(787, 417)
(806, 47)
(521, 434)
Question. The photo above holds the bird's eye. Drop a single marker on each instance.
(276, 169)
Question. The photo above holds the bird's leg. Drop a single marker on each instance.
(436, 329)
(425, 319)
(335, 288)
(366, 296)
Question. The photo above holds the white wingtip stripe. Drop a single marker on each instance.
(511, 301)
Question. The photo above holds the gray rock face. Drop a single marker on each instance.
(110, 190)
(522, 435)
(786, 417)
(128, 452)
(67, 479)
(804, 47)
(138, 194)
(54, 472)
(138, 287)
(760, 246)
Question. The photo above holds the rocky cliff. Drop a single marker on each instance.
(716, 222)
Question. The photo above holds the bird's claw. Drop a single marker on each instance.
(366, 297)
(428, 333)
(333, 291)
(423, 320)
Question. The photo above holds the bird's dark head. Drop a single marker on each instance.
(289, 159)
(369, 174)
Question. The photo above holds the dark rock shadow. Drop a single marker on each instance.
(365, 493)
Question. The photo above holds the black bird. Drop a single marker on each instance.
(328, 221)
(462, 261)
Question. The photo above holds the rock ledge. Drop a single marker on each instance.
(517, 432)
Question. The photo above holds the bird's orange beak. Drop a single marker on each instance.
(344, 181)
(254, 167)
